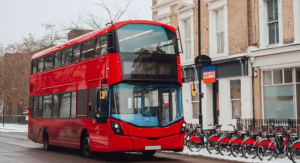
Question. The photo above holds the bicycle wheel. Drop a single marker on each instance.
(224, 147)
(288, 149)
(264, 153)
(248, 150)
(295, 155)
(194, 146)
(236, 149)
(212, 146)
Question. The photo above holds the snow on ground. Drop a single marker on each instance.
(204, 153)
(13, 128)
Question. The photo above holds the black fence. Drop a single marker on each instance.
(13, 120)
(258, 124)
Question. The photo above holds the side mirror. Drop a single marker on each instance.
(101, 118)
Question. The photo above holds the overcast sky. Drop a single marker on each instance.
(18, 18)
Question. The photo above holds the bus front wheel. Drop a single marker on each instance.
(148, 153)
(85, 145)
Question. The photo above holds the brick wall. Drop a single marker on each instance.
(288, 21)
(77, 32)
(237, 26)
(204, 28)
(253, 23)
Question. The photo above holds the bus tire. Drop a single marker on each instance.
(85, 145)
(148, 153)
(46, 140)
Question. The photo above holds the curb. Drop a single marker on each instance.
(206, 157)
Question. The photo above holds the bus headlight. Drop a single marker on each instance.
(116, 127)
(183, 126)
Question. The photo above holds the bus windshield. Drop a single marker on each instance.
(148, 105)
(144, 38)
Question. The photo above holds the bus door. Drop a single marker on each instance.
(102, 108)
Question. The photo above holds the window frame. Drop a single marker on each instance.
(96, 43)
(70, 103)
(58, 59)
(32, 70)
(73, 53)
(81, 48)
(235, 99)
(276, 22)
(43, 66)
(50, 108)
(64, 54)
(220, 35)
(53, 59)
(294, 83)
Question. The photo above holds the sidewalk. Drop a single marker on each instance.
(203, 153)
(13, 128)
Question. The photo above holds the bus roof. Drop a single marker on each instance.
(94, 34)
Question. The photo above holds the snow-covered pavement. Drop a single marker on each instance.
(13, 128)
(204, 153)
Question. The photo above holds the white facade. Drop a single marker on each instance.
(185, 12)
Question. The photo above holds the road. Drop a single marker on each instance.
(16, 148)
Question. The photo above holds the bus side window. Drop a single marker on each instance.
(34, 67)
(76, 53)
(40, 107)
(66, 57)
(49, 60)
(101, 46)
(40, 67)
(103, 102)
(56, 105)
(73, 105)
(65, 105)
(47, 106)
(88, 50)
(57, 59)
(35, 113)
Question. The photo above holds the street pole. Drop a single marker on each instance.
(199, 66)
(3, 112)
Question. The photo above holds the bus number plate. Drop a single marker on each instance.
(156, 147)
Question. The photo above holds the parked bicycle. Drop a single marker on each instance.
(250, 144)
(196, 140)
(212, 141)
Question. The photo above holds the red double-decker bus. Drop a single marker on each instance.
(117, 89)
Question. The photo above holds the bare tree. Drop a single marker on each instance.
(91, 21)
(15, 67)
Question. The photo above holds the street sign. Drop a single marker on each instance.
(209, 74)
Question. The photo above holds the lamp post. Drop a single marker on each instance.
(199, 66)
(200, 61)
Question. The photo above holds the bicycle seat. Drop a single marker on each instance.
(218, 125)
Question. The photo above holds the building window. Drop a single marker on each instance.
(220, 31)
(187, 39)
(195, 102)
(278, 93)
(272, 6)
(235, 98)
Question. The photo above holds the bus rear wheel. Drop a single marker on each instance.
(46, 140)
(148, 153)
(85, 146)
